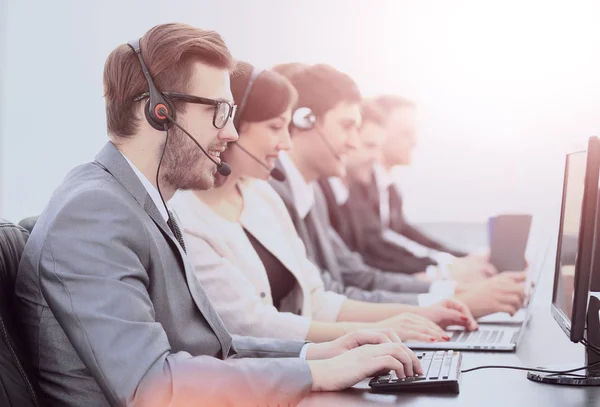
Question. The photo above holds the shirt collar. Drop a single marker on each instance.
(150, 188)
(383, 178)
(340, 190)
(302, 192)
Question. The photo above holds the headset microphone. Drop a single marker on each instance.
(222, 167)
(329, 146)
(277, 175)
(160, 114)
(275, 172)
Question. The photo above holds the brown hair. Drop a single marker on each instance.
(372, 112)
(387, 103)
(270, 96)
(169, 51)
(289, 69)
(320, 87)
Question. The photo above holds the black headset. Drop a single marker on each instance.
(158, 105)
(242, 106)
(275, 173)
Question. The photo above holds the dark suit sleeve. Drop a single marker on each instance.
(361, 229)
(93, 275)
(416, 235)
(376, 296)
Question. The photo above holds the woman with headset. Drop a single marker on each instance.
(246, 251)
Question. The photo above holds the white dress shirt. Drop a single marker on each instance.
(341, 193)
(383, 180)
(150, 188)
(439, 289)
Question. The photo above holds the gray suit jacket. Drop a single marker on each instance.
(114, 315)
(343, 270)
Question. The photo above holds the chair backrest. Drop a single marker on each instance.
(18, 387)
(28, 223)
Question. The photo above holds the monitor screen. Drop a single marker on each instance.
(564, 289)
(577, 227)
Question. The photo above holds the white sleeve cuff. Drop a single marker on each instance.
(438, 291)
(327, 306)
(432, 273)
(304, 350)
(444, 260)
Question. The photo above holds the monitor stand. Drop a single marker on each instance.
(584, 377)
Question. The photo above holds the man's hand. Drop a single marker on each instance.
(351, 341)
(410, 326)
(357, 364)
(449, 312)
(471, 268)
(504, 292)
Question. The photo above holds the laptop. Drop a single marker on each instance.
(539, 263)
(501, 336)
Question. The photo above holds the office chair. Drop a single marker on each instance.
(28, 223)
(18, 387)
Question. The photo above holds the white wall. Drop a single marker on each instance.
(504, 88)
(3, 7)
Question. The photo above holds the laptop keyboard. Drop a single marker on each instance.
(482, 336)
(441, 373)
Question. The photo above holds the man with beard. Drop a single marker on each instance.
(106, 294)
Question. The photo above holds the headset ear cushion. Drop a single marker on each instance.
(152, 117)
(303, 118)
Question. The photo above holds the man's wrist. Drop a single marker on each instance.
(318, 351)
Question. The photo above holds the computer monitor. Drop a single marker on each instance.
(575, 311)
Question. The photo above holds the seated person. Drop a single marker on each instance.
(324, 130)
(394, 244)
(247, 254)
(105, 291)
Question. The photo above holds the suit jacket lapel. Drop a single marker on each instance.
(114, 162)
(320, 220)
(396, 213)
(284, 189)
(253, 220)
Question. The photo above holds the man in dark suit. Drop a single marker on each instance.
(354, 211)
(333, 99)
(106, 294)
(392, 242)
(324, 129)
(353, 202)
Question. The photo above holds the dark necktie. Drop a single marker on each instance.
(175, 229)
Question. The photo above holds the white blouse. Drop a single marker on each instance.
(233, 276)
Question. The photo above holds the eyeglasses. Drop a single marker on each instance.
(223, 111)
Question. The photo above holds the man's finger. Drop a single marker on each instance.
(417, 368)
(400, 354)
(516, 276)
(394, 336)
(489, 270)
(385, 363)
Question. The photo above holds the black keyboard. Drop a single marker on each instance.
(441, 374)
